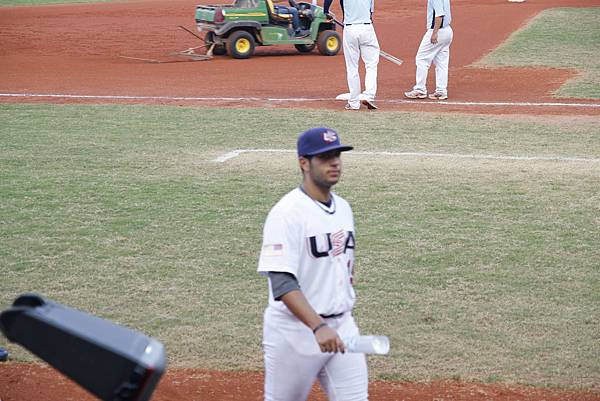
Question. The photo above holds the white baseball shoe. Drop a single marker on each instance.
(438, 96)
(348, 107)
(369, 103)
(415, 94)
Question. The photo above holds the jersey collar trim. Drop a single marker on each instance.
(327, 209)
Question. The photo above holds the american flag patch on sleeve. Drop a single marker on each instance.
(272, 250)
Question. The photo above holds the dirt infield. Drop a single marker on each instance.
(24, 382)
(76, 49)
(52, 51)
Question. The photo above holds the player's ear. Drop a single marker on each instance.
(304, 163)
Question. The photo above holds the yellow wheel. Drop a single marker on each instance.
(241, 44)
(332, 44)
(328, 43)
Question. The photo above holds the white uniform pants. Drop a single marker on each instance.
(360, 41)
(293, 361)
(439, 54)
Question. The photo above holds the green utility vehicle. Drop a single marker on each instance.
(238, 28)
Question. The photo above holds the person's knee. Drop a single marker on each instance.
(353, 393)
(371, 64)
(423, 64)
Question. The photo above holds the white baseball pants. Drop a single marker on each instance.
(439, 54)
(361, 41)
(293, 361)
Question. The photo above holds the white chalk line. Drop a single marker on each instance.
(235, 153)
(133, 97)
(294, 99)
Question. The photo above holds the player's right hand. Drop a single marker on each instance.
(329, 341)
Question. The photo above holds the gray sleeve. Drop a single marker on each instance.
(282, 283)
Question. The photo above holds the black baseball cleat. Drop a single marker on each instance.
(370, 104)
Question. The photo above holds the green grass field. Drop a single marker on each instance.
(476, 268)
(559, 38)
(479, 269)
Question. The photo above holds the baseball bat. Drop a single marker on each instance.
(383, 54)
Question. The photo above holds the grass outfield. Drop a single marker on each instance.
(560, 38)
(479, 269)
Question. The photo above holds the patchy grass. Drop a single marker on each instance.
(560, 38)
(476, 268)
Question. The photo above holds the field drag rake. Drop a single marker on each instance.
(189, 53)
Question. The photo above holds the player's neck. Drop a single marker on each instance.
(316, 192)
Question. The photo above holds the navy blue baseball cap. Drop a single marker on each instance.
(319, 140)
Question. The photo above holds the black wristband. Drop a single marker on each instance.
(318, 327)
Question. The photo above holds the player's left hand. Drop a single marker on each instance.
(434, 38)
(329, 341)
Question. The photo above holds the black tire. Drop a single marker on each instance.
(241, 44)
(329, 43)
(218, 50)
(305, 48)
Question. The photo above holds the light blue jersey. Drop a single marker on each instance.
(438, 8)
(358, 11)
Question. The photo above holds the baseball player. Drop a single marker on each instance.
(434, 47)
(359, 40)
(308, 255)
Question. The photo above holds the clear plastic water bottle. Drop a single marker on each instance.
(379, 345)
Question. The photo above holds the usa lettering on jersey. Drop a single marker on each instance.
(333, 244)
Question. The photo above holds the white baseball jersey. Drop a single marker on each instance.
(316, 244)
(358, 11)
(438, 8)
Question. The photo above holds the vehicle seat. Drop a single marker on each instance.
(283, 19)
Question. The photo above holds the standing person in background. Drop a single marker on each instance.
(308, 256)
(435, 47)
(359, 40)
